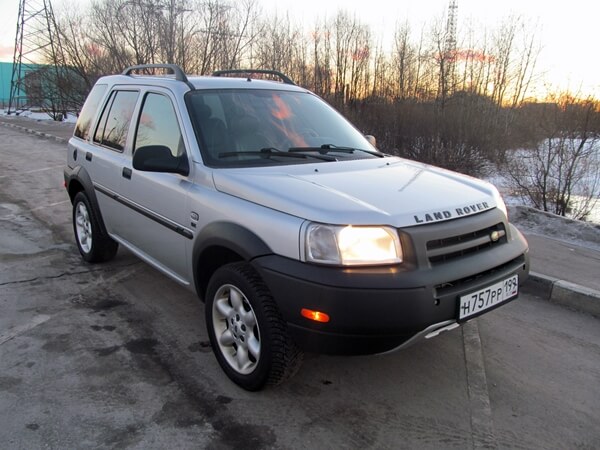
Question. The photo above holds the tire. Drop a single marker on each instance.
(93, 243)
(246, 331)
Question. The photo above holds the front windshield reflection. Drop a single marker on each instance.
(256, 127)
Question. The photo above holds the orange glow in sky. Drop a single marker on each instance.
(567, 31)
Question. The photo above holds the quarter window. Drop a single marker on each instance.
(116, 118)
(84, 122)
(158, 124)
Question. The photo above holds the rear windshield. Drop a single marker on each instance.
(265, 127)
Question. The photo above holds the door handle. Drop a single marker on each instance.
(126, 173)
(88, 156)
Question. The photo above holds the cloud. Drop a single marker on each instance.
(6, 53)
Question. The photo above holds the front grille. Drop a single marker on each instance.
(446, 249)
(454, 286)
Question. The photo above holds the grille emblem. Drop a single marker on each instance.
(496, 235)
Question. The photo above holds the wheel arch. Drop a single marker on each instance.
(79, 180)
(222, 243)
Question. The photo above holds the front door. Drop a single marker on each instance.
(157, 202)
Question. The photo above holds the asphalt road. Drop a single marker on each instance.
(117, 356)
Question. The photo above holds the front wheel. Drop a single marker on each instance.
(246, 331)
(93, 244)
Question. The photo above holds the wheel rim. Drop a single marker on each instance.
(236, 329)
(83, 227)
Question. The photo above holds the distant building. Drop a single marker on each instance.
(5, 77)
(42, 88)
(34, 83)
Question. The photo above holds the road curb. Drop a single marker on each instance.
(571, 295)
(31, 131)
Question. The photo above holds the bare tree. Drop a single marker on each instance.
(279, 46)
(352, 52)
(321, 51)
(561, 174)
(451, 108)
(403, 58)
(444, 61)
(525, 64)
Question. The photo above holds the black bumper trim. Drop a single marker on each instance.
(372, 310)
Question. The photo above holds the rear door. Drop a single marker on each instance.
(104, 156)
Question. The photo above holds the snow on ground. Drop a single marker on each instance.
(533, 221)
(589, 183)
(71, 118)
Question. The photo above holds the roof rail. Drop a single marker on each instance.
(177, 71)
(284, 78)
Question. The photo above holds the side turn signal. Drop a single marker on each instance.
(317, 316)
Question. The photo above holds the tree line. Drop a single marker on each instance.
(461, 102)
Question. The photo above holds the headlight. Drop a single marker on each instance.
(351, 246)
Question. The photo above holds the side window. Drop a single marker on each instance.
(84, 122)
(116, 117)
(158, 125)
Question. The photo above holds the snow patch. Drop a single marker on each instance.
(71, 118)
(534, 221)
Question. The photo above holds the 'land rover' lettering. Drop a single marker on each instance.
(436, 216)
(470, 209)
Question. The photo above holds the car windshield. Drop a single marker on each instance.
(250, 127)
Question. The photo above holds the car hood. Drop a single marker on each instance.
(389, 191)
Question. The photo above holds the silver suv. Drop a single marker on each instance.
(296, 232)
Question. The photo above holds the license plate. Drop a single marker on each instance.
(488, 297)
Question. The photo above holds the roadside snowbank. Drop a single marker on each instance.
(533, 221)
(71, 118)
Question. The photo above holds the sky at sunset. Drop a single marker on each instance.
(567, 30)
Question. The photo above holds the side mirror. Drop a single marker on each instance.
(371, 140)
(158, 158)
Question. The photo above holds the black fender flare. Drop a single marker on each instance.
(235, 238)
(81, 176)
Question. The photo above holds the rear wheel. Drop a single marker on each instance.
(93, 244)
(247, 333)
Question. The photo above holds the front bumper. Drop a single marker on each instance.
(375, 310)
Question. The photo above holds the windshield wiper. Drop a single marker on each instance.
(326, 148)
(268, 152)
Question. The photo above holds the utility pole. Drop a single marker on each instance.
(448, 62)
(36, 42)
(451, 28)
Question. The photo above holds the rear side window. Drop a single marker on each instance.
(115, 120)
(88, 112)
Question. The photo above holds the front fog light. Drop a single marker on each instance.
(329, 244)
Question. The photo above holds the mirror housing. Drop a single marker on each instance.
(158, 158)
(371, 139)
